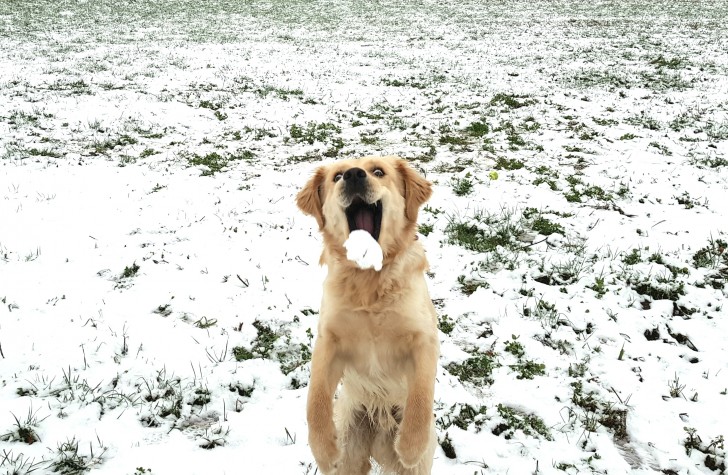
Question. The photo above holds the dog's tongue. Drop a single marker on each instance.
(364, 220)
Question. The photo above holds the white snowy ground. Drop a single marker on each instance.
(159, 288)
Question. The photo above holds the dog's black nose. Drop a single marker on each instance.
(355, 179)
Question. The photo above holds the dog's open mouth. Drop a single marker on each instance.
(365, 216)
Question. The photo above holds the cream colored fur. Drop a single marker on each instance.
(377, 332)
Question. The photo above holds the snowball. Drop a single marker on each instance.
(364, 250)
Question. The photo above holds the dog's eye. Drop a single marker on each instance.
(378, 172)
(337, 177)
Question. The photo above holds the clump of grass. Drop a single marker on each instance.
(675, 270)
(453, 140)
(528, 369)
(645, 122)
(213, 162)
(687, 201)
(462, 186)
(425, 228)
(447, 447)
(477, 129)
(468, 286)
(663, 62)
(599, 287)
(579, 189)
(130, 271)
(511, 101)
(103, 146)
(463, 416)
(544, 311)
(499, 231)
(503, 163)
(445, 324)
(634, 257)
(313, 132)
(289, 355)
(658, 289)
(711, 255)
(663, 149)
(545, 227)
(513, 420)
(68, 459)
(514, 347)
(24, 431)
(477, 370)
(605, 122)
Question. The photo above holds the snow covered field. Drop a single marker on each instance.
(159, 290)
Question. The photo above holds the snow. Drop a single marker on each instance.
(159, 289)
(363, 249)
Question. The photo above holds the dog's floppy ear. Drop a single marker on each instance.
(417, 190)
(309, 199)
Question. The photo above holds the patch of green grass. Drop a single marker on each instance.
(19, 117)
(628, 136)
(515, 140)
(634, 257)
(666, 290)
(453, 140)
(130, 271)
(671, 63)
(147, 152)
(545, 227)
(462, 186)
(717, 132)
(503, 163)
(468, 286)
(605, 122)
(447, 448)
(477, 369)
(514, 347)
(313, 132)
(102, 146)
(215, 163)
(367, 139)
(477, 129)
(663, 149)
(578, 189)
(205, 104)
(471, 237)
(242, 354)
(528, 369)
(644, 121)
(42, 152)
(463, 416)
(710, 162)
(425, 228)
(686, 200)
(77, 86)
(549, 181)
(511, 101)
(530, 124)
(607, 78)
(513, 420)
(675, 270)
(711, 255)
(445, 324)
(599, 287)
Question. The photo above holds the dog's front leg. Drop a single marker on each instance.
(416, 428)
(326, 371)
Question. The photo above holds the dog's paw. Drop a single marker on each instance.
(325, 450)
(411, 444)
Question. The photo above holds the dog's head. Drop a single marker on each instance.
(380, 195)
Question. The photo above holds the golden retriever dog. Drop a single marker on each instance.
(377, 332)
